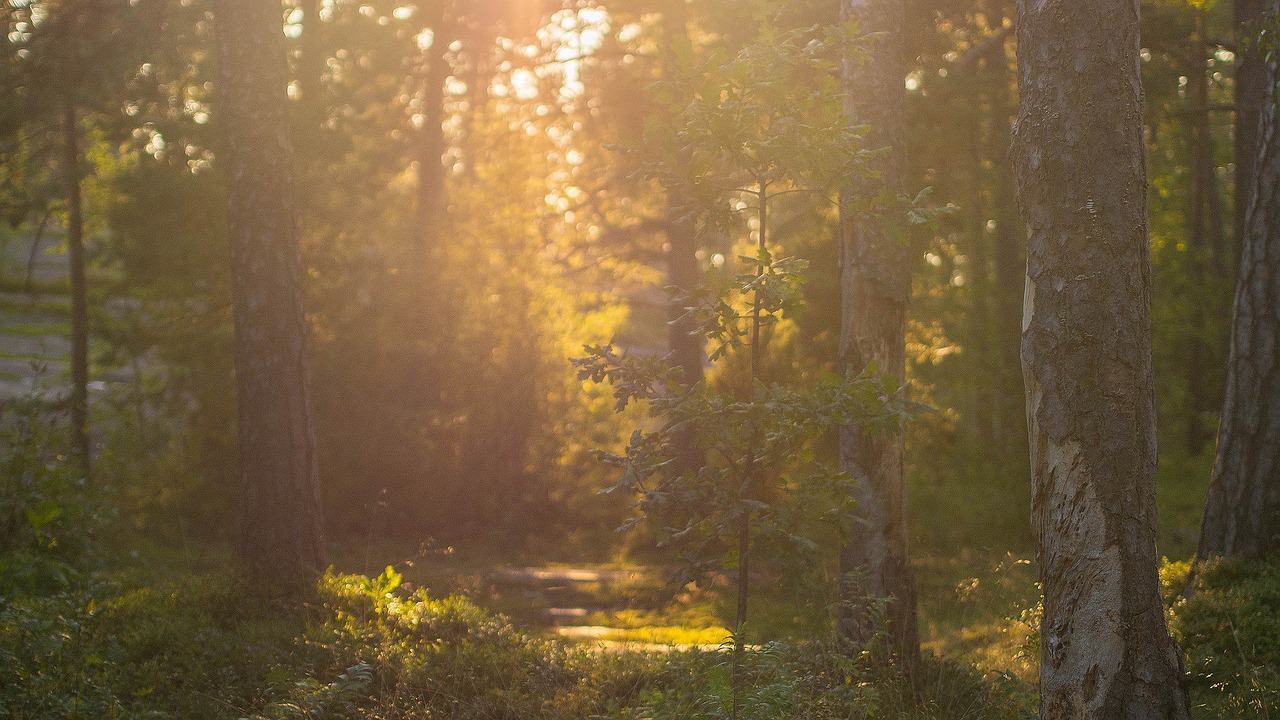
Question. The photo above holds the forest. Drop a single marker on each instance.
(640, 359)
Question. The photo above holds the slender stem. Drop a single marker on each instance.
(79, 302)
(744, 520)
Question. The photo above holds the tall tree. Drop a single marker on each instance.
(281, 535)
(875, 284)
(67, 53)
(79, 287)
(1242, 512)
(1249, 92)
(1086, 352)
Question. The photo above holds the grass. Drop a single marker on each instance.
(36, 330)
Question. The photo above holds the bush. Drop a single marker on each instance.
(1229, 631)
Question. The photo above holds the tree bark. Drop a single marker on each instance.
(280, 535)
(79, 291)
(1242, 512)
(1249, 90)
(1086, 352)
(875, 283)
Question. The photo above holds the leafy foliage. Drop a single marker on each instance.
(1227, 627)
(48, 516)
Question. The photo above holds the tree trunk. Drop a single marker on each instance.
(1207, 243)
(431, 203)
(1249, 90)
(1242, 512)
(79, 291)
(281, 536)
(1009, 259)
(688, 348)
(875, 283)
(1086, 351)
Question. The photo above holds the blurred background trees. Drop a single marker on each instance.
(471, 214)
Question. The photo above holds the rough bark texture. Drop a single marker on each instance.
(875, 284)
(79, 292)
(1242, 512)
(1086, 351)
(280, 532)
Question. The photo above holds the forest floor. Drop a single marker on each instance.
(977, 607)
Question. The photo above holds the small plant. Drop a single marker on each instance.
(47, 512)
(338, 700)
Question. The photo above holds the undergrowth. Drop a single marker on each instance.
(1228, 625)
(370, 648)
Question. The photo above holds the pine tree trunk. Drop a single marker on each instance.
(280, 534)
(1086, 350)
(875, 284)
(79, 292)
(1249, 90)
(1242, 512)
(1009, 265)
(1205, 248)
(431, 202)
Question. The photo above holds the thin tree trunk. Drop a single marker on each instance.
(431, 202)
(79, 291)
(1207, 244)
(1010, 260)
(875, 284)
(1086, 350)
(1242, 512)
(280, 535)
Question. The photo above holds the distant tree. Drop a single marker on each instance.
(67, 57)
(1242, 512)
(1249, 93)
(876, 281)
(281, 535)
(1086, 350)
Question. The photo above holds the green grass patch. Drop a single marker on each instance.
(36, 330)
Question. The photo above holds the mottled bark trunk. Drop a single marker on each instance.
(875, 283)
(280, 533)
(1086, 350)
(79, 291)
(1242, 512)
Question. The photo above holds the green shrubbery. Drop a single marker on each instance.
(368, 648)
(1228, 626)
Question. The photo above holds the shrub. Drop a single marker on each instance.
(1229, 632)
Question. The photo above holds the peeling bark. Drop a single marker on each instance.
(280, 532)
(1242, 511)
(1086, 352)
(875, 283)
